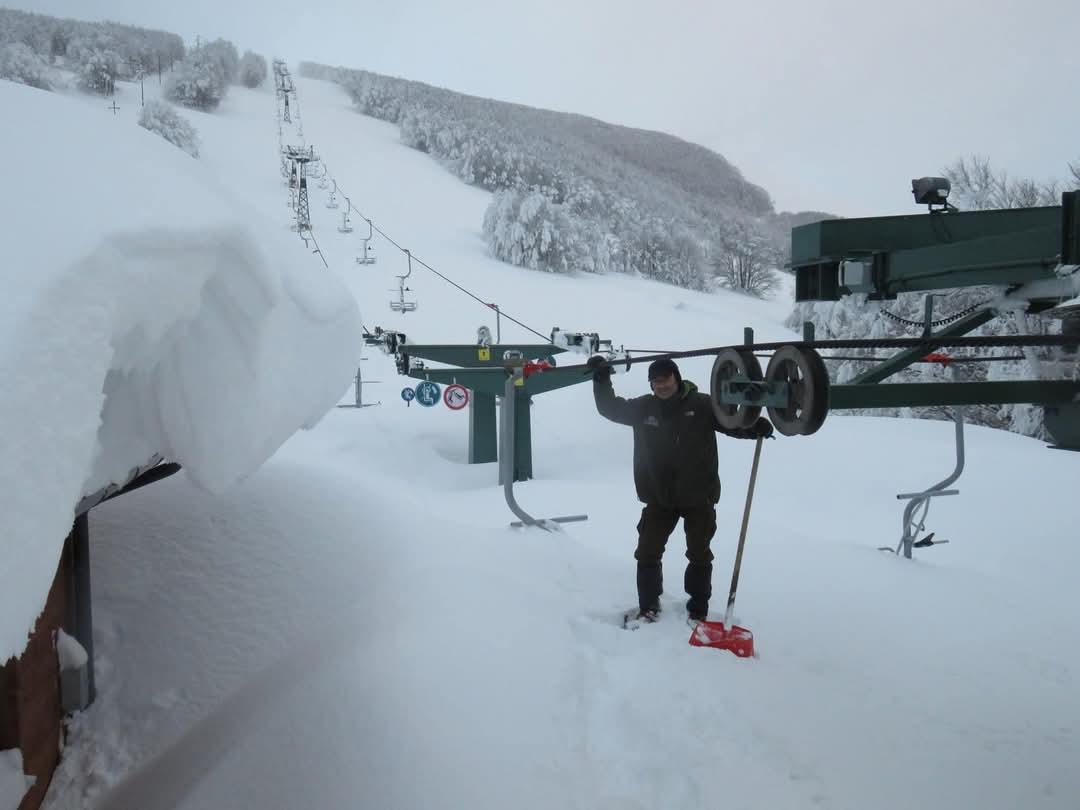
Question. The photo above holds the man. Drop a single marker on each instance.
(675, 473)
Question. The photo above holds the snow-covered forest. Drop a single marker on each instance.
(572, 193)
(35, 47)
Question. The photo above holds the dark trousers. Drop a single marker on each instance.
(655, 527)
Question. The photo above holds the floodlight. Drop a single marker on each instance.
(931, 191)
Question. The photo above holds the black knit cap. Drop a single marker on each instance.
(662, 368)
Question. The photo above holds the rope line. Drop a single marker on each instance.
(924, 345)
(422, 263)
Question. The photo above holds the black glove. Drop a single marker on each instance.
(599, 366)
(762, 428)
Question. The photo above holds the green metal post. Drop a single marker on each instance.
(483, 441)
(522, 437)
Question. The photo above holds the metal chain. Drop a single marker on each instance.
(939, 322)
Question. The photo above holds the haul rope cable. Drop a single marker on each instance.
(384, 235)
(926, 345)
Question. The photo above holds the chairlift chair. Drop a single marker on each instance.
(366, 257)
(345, 227)
(401, 305)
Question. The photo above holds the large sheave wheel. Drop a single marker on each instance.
(808, 390)
(729, 364)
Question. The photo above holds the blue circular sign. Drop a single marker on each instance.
(428, 393)
(408, 394)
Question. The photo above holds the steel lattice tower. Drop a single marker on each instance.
(301, 158)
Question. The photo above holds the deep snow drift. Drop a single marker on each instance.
(146, 312)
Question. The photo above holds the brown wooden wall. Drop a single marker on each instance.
(30, 711)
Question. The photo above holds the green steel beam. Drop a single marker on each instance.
(834, 239)
(1013, 258)
(492, 380)
(903, 359)
(935, 251)
(912, 395)
(473, 356)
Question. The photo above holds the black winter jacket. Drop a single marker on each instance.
(675, 459)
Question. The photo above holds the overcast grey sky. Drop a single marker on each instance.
(831, 105)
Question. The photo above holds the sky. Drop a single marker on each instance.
(833, 105)
(354, 623)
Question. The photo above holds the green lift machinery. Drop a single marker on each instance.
(1030, 256)
(483, 368)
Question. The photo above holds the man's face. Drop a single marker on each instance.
(664, 387)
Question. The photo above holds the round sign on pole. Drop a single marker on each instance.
(408, 394)
(455, 397)
(427, 393)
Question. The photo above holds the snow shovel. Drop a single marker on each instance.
(725, 635)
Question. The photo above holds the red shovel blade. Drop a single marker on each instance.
(737, 639)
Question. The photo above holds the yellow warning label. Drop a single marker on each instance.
(519, 381)
(483, 354)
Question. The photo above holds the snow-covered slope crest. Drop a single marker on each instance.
(146, 314)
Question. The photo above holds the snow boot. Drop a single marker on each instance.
(698, 584)
(650, 584)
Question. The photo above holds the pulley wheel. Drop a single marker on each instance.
(808, 390)
(731, 363)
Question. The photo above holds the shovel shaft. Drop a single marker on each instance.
(742, 535)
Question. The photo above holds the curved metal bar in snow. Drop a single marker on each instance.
(917, 499)
(506, 461)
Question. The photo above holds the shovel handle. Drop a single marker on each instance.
(742, 535)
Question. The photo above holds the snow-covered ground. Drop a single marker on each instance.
(355, 624)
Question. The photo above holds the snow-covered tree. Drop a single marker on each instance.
(253, 70)
(746, 259)
(197, 82)
(224, 54)
(20, 64)
(978, 186)
(162, 118)
(98, 72)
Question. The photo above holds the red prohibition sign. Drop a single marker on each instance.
(455, 396)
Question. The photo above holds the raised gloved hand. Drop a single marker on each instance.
(762, 428)
(599, 366)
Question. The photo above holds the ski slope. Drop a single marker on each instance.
(355, 624)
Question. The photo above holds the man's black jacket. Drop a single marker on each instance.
(675, 460)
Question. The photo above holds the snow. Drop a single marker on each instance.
(13, 784)
(69, 651)
(147, 316)
(354, 623)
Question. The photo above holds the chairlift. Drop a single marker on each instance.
(332, 202)
(366, 257)
(401, 305)
(345, 227)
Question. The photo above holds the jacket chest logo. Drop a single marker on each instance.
(652, 421)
